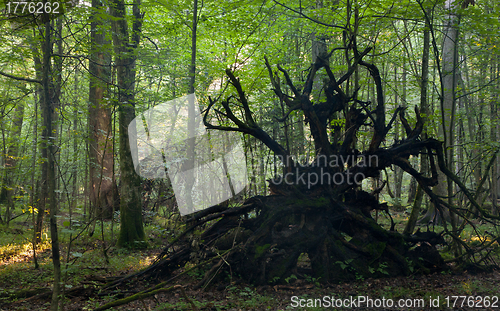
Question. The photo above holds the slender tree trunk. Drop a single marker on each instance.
(493, 136)
(298, 117)
(318, 46)
(460, 167)
(34, 186)
(10, 163)
(424, 111)
(57, 68)
(42, 185)
(449, 80)
(398, 180)
(471, 127)
(74, 179)
(49, 97)
(188, 165)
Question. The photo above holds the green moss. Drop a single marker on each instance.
(376, 249)
(260, 250)
(318, 202)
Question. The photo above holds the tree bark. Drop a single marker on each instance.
(42, 185)
(131, 229)
(493, 136)
(48, 166)
(188, 164)
(398, 173)
(102, 183)
(10, 162)
(448, 78)
(424, 109)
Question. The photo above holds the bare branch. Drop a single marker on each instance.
(357, 60)
(289, 81)
(309, 18)
(20, 78)
(237, 85)
(276, 85)
(296, 107)
(389, 126)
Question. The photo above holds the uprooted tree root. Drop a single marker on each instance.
(330, 237)
(265, 238)
(327, 235)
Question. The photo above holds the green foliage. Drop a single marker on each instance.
(290, 278)
(313, 280)
(344, 264)
(337, 122)
(245, 297)
(381, 269)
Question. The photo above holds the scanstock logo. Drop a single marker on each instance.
(205, 167)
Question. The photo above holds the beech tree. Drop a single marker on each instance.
(102, 180)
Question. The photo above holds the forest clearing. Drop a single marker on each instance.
(249, 155)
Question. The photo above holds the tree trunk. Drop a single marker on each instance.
(10, 162)
(449, 74)
(131, 229)
(50, 96)
(34, 186)
(398, 174)
(188, 165)
(100, 135)
(472, 128)
(74, 173)
(42, 185)
(493, 136)
(424, 109)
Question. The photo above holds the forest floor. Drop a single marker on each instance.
(85, 269)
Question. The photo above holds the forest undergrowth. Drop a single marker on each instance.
(89, 262)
